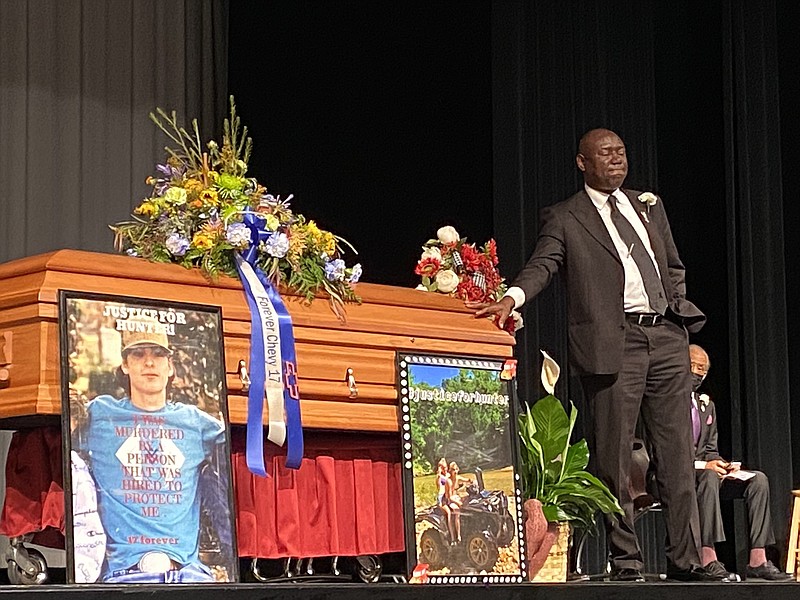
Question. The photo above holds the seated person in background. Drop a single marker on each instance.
(714, 475)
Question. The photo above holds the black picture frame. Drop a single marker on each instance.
(146, 442)
(462, 410)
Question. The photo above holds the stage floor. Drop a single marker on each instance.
(383, 591)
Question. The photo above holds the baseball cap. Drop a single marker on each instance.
(144, 331)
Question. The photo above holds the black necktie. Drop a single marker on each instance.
(652, 282)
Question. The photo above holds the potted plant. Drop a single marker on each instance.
(554, 477)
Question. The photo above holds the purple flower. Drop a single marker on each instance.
(238, 235)
(170, 171)
(355, 273)
(334, 270)
(277, 245)
(177, 244)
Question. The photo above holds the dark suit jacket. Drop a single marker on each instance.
(706, 448)
(573, 237)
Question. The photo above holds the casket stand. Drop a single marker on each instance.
(346, 498)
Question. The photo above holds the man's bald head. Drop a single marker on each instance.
(699, 360)
(589, 138)
(602, 160)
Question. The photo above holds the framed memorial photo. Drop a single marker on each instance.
(145, 426)
(461, 490)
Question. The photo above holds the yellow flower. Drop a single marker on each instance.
(328, 243)
(175, 195)
(202, 241)
(297, 243)
(147, 208)
(209, 197)
(312, 229)
(193, 186)
(272, 222)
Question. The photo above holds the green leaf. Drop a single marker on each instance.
(554, 513)
(552, 433)
(553, 470)
(577, 458)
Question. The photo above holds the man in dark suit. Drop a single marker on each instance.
(628, 317)
(716, 476)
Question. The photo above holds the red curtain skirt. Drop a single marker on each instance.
(344, 500)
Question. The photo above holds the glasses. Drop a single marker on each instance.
(699, 368)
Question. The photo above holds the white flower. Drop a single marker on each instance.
(277, 245)
(550, 372)
(421, 288)
(238, 235)
(447, 235)
(648, 198)
(446, 281)
(431, 252)
(355, 273)
(704, 400)
(519, 322)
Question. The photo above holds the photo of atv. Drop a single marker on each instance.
(486, 526)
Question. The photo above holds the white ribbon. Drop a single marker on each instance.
(273, 384)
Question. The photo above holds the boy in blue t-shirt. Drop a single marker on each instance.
(146, 457)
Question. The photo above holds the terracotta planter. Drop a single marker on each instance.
(554, 569)
(546, 546)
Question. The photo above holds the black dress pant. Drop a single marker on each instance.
(755, 492)
(654, 381)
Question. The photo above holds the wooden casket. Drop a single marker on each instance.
(350, 423)
(387, 320)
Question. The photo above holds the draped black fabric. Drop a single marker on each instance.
(759, 368)
(77, 80)
(560, 69)
(693, 90)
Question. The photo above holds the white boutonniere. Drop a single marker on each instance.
(704, 400)
(648, 198)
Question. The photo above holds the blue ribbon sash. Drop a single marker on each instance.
(273, 364)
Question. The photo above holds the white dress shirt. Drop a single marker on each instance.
(635, 297)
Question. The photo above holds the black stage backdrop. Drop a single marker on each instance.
(389, 120)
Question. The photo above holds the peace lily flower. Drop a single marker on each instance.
(447, 281)
(448, 235)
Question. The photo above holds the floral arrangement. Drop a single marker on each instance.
(449, 265)
(204, 210)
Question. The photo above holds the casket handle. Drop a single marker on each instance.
(243, 376)
(5, 359)
(350, 378)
